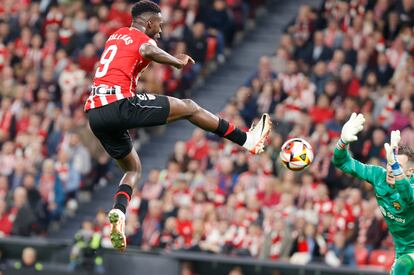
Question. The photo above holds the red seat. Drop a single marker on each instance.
(361, 255)
(382, 258)
(211, 48)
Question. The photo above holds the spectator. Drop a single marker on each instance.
(392, 26)
(169, 234)
(383, 71)
(103, 227)
(51, 190)
(35, 202)
(219, 23)
(362, 67)
(320, 77)
(348, 84)
(401, 118)
(24, 217)
(180, 155)
(197, 44)
(340, 253)
(308, 246)
(303, 25)
(28, 261)
(151, 225)
(374, 148)
(6, 221)
(88, 58)
(318, 51)
(187, 269)
(333, 35)
(85, 253)
(152, 188)
(197, 147)
(406, 10)
(280, 61)
(236, 271)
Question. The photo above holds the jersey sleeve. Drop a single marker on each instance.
(343, 161)
(402, 184)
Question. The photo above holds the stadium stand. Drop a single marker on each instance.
(348, 56)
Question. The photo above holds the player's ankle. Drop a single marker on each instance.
(120, 207)
(249, 143)
(122, 197)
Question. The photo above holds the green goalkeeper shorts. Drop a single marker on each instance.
(404, 265)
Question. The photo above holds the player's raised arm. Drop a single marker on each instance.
(402, 183)
(342, 158)
(154, 53)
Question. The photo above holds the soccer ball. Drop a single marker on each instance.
(296, 154)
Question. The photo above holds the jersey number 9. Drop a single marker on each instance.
(106, 59)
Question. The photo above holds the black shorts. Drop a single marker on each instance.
(110, 123)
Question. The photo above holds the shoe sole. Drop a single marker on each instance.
(117, 237)
(259, 148)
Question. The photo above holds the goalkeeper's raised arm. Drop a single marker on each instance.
(342, 158)
(400, 160)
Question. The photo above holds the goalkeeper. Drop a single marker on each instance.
(393, 188)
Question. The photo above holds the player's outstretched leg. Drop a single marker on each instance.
(253, 140)
(131, 166)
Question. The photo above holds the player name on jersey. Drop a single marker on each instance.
(126, 38)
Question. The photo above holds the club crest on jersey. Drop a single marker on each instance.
(396, 205)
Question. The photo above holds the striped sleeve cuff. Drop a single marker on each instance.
(341, 145)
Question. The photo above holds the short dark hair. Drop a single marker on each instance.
(144, 6)
(407, 151)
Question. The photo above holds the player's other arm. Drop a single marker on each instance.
(402, 183)
(343, 160)
(154, 53)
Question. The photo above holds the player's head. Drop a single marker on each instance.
(405, 158)
(148, 14)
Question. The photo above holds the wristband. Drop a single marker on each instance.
(396, 169)
(340, 144)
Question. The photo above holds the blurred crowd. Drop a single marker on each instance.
(345, 56)
(48, 53)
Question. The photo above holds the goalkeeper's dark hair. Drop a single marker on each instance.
(407, 151)
(144, 6)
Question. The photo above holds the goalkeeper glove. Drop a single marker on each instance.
(352, 127)
(391, 150)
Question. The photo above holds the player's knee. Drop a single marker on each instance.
(191, 106)
(131, 164)
(131, 178)
(403, 266)
(135, 168)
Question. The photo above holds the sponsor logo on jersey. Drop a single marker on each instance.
(391, 216)
(124, 37)
(384, 213)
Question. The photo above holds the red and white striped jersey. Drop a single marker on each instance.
(119, 68)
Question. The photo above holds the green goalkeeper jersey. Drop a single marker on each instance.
(396, 204)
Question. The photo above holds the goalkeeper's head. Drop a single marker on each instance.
(405, 158)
